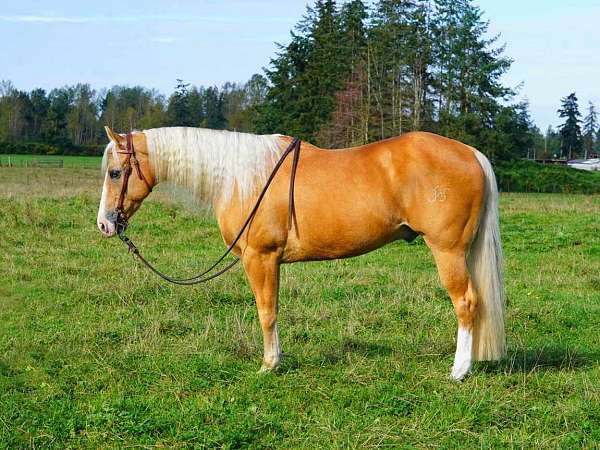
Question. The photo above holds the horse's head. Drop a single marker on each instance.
(128, 181)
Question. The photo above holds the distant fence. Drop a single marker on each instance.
(53, 163)
(551, 161)
(38, 148)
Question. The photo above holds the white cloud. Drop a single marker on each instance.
(35, 18)
(45, 19)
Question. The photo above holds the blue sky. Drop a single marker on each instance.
(555, 44)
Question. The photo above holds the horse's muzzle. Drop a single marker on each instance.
(109, 225)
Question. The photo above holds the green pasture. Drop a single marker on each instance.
(95, 352)
(68, 160)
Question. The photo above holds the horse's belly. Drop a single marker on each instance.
(334, 237)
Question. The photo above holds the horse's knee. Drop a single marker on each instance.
(268, 318)
(465, 305)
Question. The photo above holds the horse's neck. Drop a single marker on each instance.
(212, 164)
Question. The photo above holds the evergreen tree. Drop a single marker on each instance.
(280, 111)
(39, 107)
(551, 143)
(513, 134)
(324, 71)
(196, 106)
(306, 75)
(590, 130)
(58, 112)
(349, 120)
(178, 111)
(467, 73)
(215, 118)
(570, 131)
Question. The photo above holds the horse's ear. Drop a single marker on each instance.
(115, 137)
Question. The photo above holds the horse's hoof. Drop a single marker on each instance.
(266, 369)
(458, 373)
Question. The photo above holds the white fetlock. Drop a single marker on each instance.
(272, 353)
(463, 357)
(460, 371)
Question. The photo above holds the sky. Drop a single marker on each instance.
(555, 44)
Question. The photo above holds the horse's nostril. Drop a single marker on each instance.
(102, 227)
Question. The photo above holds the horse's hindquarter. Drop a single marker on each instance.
(443, 187)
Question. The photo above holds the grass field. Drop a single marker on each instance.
(92, 162)
(97, 353)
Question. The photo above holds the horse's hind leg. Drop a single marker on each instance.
(452, 267)
(262, 271)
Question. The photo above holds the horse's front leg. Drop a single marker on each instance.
(262, 271)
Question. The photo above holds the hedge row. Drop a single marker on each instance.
(38, 148)
(529, 176)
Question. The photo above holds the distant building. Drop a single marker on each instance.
(585, 164)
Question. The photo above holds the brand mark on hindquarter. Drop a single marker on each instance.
(439, 194)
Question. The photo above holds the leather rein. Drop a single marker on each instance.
(206, 275)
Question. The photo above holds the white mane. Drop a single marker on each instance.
(211, 163)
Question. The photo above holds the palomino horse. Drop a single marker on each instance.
(348, 202)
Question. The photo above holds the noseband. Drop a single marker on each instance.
(130, 160)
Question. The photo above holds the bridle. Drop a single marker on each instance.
(206, 275)
(130, 160)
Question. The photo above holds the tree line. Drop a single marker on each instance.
(351, 74)
(74, 116)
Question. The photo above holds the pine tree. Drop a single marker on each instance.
(60, 106)
(179, 108)
(215, 118)
(590, 130)
(468, 68)
(279, 113)
(39, 106)
(551, 143)
(570, 131)
(349, 120)
(325, 69)
(306, 75)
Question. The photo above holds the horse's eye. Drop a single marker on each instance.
(114, 174)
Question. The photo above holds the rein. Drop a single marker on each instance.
(205, 275)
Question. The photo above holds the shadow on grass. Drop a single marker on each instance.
(338, 354)
(520, 360)
(525, 360)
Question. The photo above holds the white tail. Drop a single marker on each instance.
(485, 267)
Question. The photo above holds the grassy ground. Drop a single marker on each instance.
(91, 162)
(96, 353)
